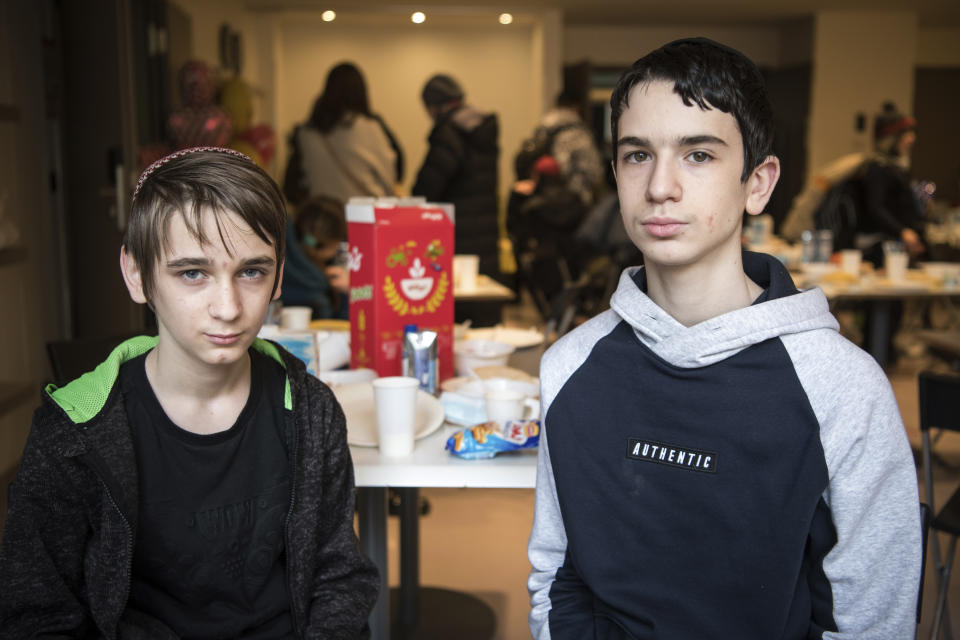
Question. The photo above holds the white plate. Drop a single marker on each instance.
(477, 388)
(357, 402)
(519, 338)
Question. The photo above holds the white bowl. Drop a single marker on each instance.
(479, 353)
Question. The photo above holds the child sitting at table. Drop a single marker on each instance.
(716, 461)
(197, 483)
(311, 277)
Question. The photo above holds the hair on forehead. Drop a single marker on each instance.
(709, 75)
(196, 184)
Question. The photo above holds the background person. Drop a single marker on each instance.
(461, 167)
(344, 149)
(310, 276)
(890, 210)
(564, 136)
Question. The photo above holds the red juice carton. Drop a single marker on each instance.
(401, 273)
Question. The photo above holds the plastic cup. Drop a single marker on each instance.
(295, 318)
(850, 261)
(895, 266)
(395, 400)
(465, 268)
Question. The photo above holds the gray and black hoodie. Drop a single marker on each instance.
(745, 477)
(65, 562)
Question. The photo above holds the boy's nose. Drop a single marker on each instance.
(226, 302)
(664, 183)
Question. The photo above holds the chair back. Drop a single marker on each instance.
(69, 359)
(925, 518)
(939, 398)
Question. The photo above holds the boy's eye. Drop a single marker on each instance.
(633, 157)
(252, 273)
(191, 274)
(700, 157)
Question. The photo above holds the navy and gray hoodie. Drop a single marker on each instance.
(745, 477)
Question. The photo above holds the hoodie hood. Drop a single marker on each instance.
(786, 311)
(482, 129)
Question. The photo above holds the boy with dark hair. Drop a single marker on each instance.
(195, 484)
(716, 460)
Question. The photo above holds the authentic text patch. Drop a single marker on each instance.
(672, 455)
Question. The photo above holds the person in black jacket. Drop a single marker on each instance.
(461, 168)
(890, 210)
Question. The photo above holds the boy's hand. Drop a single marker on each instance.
(339, 278)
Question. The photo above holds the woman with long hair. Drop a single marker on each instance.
(343, 150)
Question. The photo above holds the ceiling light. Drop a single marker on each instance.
(329, 16)
(418, 17)
(506, 18)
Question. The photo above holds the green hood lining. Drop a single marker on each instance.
(83, 398)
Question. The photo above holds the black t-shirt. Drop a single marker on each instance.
(209, 556)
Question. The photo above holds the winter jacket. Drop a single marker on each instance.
(67, 552)
(747, 477)
(461, 168)
(355, 158)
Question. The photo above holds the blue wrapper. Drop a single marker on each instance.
(490, 438)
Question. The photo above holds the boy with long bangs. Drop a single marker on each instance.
(716, 461)
(197, 484)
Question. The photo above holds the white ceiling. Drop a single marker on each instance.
(582, 12)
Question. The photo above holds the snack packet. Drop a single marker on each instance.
(487, 439)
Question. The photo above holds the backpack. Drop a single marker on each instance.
(537, 145)
(830, 200)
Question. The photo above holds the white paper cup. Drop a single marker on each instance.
(295, 318)
(850, 261)
(465, 268)
(895, 266)
(508, 404)
(395, 398)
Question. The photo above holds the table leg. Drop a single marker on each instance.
(879, 311)
(372, 515)
(409, 610)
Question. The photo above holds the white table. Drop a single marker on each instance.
(487, 290)
(878, 297)
(430, 465)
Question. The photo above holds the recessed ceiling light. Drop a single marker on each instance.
(506, 18)
(329, 16)
(418, 17)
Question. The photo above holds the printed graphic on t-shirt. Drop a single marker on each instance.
(236, 543)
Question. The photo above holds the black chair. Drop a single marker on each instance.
(69, 359)
(939, 399)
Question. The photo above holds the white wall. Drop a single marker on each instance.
(620, 46)
(861, 59)
(494, 64)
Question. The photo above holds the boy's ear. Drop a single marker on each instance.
(131, 276)
(276, 294)
(760, 184)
